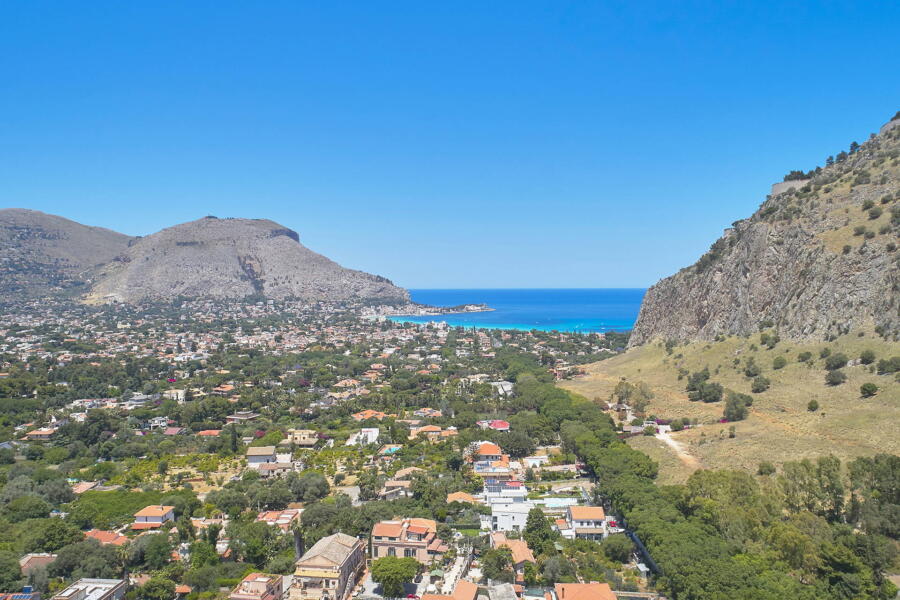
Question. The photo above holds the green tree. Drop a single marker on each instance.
(812, 406)
(617, 548)
(759, 384)
(203, 553)
(497, 564)
(158, 551)
(157, 588)
(836, 377)
(868, 389)
(10, 572)
(735, 408)
(27, 507)
(392, 572)
(538, 534)
(867, 357)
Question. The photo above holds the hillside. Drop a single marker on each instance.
(780, 425)
(43, 254)
(232, 258)
(814, 261)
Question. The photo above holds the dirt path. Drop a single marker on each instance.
(678, 448)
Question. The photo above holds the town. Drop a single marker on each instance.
(281, 451)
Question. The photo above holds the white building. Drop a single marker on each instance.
(364, 437)
(260, 455)
(94, 589)
(507, 517)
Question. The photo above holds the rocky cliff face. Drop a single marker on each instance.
(812, 262)
(43, 254)
(232, 258)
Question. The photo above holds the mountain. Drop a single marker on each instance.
(818, 259)
(43, 254)
(232, 258)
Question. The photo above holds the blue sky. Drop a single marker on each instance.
(482, 144)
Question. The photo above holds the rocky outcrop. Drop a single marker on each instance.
(813, 262)
(233, 259)
(45, 255)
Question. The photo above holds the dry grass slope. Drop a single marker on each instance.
(779, 427)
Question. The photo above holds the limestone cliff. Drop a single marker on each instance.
(233, 258)
(813, 262)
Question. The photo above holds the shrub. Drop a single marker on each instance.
(735, 408)
(859, 230)
(836, 361)
(804, 356)
(868, 204)
(765, 468)
(867, 390)
(836, 377)
(847, 248)
(825, 352)
(759, 384)
(752, 369)
(867, 357)
(779, 362)
(876, 212)
(889, 365)
(707, 392)
(812, 406)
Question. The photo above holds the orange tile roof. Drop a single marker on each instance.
(154, 510)
(387, 529)
(488, 449)
(106, 537)
(465, 590)
(584, 591)
(460, 497)
(587, 513)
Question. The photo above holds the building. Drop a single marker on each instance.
(364, 437)
(242, 416)
(305, 438)
(259, 586)
(283, 519)
(396, 488)
(33, 561)
(106, 537)
(461, 497)
(486, 452)
(504, 491)
(153, 516)
(584, 522)
(521, 553)
(260, 455)
(582, 591)
(507, 517)
(28, 593)
(464, 590)
(330, 569)
(409, 538)
(94, 589)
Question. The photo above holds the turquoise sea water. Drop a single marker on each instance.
(582, 310)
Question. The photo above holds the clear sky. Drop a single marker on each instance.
(451, 144)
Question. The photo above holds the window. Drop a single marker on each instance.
(409, 553)
(392, 552)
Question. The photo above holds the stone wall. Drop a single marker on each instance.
(783, 186)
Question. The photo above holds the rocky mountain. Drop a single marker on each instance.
(819, 258)
(43, 254)
(232, 258)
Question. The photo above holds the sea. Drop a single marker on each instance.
(578, 310)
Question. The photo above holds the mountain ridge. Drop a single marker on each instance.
(229, 258)
(814, 261)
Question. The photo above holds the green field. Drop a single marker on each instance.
(779, 427)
